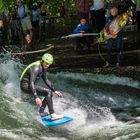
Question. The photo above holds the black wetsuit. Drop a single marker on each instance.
(27, 84)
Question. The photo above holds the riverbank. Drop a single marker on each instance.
(68, 59)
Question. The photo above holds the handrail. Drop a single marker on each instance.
(33, 52)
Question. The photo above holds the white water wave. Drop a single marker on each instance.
(105, 79)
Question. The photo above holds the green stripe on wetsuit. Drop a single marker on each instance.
(28, 67)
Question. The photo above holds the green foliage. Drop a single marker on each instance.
(53, 6)
(5, 5)
(57, 25)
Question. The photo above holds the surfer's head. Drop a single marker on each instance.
(114, 11)
(47, 60)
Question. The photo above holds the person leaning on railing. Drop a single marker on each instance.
(82, 27)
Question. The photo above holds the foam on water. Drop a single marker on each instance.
(86, 120)
(54, 138)
(8, 134)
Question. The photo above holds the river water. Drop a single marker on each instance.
(104, 107)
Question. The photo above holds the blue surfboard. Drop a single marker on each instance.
(46, 120)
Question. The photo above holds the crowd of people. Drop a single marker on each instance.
(95, 15)
(22, 26)
(95, 11)
(27, 27)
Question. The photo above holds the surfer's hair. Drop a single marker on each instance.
(114, 7)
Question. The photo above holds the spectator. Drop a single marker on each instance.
(27, 46)
(62, 11)
(42, 22)
(35, 16)
(5, 26)
(83, 9)
(97, 14)
(35, 23)
(27, 43)
(121, 5)
(22, 13)
(43, 11)
(14, 36)
(113, 39)
(2, 31)
(82, 28)
(138, 13)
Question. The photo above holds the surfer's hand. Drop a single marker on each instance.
(58, 93)
(38, 101)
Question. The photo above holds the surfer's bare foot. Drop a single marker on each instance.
(56, 117)
(43, 114)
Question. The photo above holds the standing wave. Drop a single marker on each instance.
(88, 98)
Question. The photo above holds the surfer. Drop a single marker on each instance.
(28, 79)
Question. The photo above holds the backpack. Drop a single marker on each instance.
(25, 14)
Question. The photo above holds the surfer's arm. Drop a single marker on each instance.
(47, 82)
(33, 75)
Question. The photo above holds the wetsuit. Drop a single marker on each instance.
(117, 41)
(27, 83)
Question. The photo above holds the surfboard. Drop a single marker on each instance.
(114, 27)
(46, 120)
(79, 35)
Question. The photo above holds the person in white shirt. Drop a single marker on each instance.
(97, 13)
(83, 9)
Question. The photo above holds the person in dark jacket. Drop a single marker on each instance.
(113, 39)
(83, 27)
